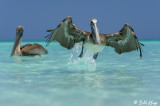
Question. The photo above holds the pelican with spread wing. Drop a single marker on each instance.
(28, 49)
(67, 34)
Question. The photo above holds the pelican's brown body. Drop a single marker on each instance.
(32, 50)
(28, 49)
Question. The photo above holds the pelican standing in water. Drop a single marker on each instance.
(28, 49)
(67, 34)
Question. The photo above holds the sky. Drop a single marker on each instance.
(36, 16)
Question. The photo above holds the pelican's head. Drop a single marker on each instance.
(19, 31)
(95, 32)
(19, 34)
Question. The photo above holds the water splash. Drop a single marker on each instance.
(85, 62)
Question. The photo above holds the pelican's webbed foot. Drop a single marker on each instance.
(81, 54)
(95, 56)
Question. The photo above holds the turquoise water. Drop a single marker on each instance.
(62, 79)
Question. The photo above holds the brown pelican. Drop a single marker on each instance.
(67, 34)
(28, 49)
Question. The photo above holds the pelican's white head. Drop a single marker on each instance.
(95, 32)
(94, 20)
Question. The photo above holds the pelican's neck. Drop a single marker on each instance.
(18, 39)
(18, 50)
(95, 33)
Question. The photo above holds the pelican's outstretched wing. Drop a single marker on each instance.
(124, 40)
(67, 34)
(34, 49)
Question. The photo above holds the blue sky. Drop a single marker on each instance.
(39, 15)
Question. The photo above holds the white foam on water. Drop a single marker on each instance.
(85, 62)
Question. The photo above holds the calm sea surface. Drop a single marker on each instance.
(62, 79)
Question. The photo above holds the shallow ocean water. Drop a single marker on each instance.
(62, 79)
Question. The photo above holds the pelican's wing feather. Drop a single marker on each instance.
(25, 46)
(34, 49)
(123, 41)
(67, 34)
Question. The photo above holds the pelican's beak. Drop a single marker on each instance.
(19, 34)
